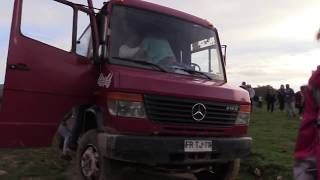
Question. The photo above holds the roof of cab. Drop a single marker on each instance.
(163, 10)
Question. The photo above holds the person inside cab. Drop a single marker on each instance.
(148, 47)
(158, 50)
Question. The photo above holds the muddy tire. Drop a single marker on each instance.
(226, 171)
(90, 163)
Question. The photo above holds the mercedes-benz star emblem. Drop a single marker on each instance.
(199, 111)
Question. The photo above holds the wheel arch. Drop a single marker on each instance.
(93, 119)
(78, 121)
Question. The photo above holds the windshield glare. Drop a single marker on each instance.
(179, 46)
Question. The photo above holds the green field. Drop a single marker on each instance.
(274, 137)
(273, 144)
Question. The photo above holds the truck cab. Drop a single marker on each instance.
(142, 84)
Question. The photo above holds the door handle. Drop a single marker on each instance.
(19, 66)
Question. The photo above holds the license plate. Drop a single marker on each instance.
(197, 146)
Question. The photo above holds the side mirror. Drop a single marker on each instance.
(224, 53)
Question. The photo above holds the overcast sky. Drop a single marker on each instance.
(269, 41)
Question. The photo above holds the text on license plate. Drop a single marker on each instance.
(197, 146)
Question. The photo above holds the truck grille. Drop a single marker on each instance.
(179, 111)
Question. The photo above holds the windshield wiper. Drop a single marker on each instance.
(191, 71)
(142, 62)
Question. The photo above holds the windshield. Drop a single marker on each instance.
(175, 45)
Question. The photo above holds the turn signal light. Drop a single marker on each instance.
(125, 96)
(243, 117)
(245, 108)
(126, 105)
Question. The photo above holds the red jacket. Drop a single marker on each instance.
(307, 136)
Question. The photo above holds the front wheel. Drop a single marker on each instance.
(91, 165)
(223, 171)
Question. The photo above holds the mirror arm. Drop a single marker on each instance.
(95, 33)
(224, 47)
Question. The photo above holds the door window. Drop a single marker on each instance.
(49, 22)
(84, 42)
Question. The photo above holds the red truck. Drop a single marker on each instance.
(142, 85)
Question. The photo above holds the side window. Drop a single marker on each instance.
(216, 65)
(208, 61)
(84, 41)
(49, 22)
(201, 58)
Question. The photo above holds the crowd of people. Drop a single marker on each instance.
(284, 99)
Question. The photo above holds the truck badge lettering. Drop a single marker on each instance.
(105, 81)
(232, 108)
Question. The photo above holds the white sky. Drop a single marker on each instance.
(269, 42)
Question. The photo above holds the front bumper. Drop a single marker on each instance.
(159, 150)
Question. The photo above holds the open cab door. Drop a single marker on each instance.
(48, 70)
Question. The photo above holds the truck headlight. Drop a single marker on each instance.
(243, 117)
(126, 105)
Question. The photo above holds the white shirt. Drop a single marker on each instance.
(128, 52)
(251, 92)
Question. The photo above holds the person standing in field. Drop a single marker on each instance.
(250, 90)
(299, 100)
(307, 150)
(281, 95)
(260, 101)
(243, 85)
(270, 98)
(252, 93)
(289, 100)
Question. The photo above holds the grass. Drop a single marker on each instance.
(274, 137)
(32, 164)
(272, 151)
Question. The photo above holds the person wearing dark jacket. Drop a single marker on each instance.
(299, 99)
(281, 95)
(270, 98)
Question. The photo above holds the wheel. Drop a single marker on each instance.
(90, 163)
(225, 171)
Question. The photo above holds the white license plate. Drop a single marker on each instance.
(197, 146)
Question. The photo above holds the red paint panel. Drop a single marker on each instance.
(170, 84)
(35, 100)
(26, 135)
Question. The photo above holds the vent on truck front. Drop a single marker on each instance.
(179, 111)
